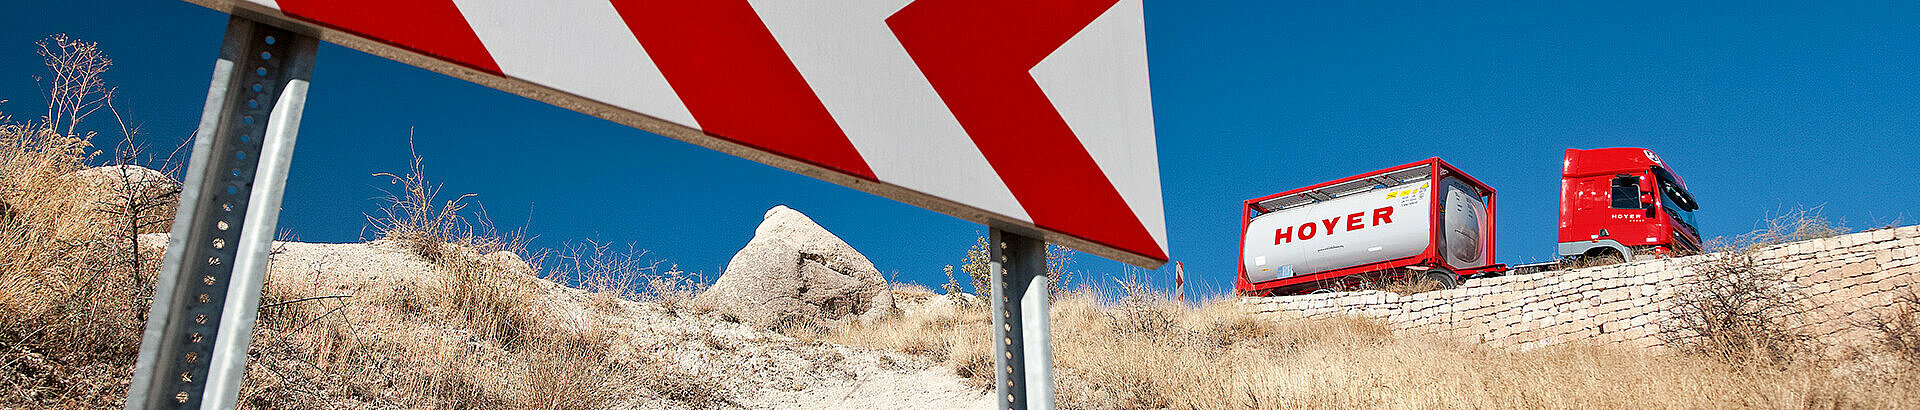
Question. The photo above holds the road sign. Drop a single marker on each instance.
(1031, 116)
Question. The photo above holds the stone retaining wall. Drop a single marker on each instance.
(1844, 278)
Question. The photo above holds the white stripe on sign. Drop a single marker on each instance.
(268, 3)
(1098, 81)
(576, 46)
(884, 105)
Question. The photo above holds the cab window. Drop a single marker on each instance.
(1626, 192)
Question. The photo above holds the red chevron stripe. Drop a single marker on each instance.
(432, 27)
(977, 54)
(737, 82)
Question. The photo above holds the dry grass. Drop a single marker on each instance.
(481, 331)
(1406, 284)
(73, 283)
(1144, 350)
(615, 273)
(1583, 262)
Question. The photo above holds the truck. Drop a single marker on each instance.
(1427, 219)
(1624, 204)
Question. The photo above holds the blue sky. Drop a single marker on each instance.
(1761, 108)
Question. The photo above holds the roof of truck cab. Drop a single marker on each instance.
(1602, 161)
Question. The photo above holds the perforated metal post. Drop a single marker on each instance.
(194, 348)
(1023, 337)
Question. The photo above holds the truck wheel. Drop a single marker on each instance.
(1446, 279)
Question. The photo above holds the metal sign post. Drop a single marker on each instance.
(194, 349)
(1022, 335)
(1180, 282)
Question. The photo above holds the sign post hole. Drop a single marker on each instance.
(1023, 336)
(194, 348)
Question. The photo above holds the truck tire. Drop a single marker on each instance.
(1446, 279)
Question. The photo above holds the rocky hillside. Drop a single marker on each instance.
(395, 329)
(405, 337)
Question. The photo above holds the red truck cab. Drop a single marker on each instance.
(1625, 203)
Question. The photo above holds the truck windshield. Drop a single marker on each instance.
(1676, 201)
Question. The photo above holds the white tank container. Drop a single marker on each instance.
(1383, 224)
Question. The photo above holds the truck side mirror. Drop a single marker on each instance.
(1646, 202)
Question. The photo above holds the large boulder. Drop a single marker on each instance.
(794, 271)
(108, 192)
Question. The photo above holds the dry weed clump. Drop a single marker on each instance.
(1798, 224)
(610, 273)
(1144, 311)
(415, 218)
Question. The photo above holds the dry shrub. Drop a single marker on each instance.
(75, 85)
(980, 275)
(609, 273)
(495, 303)
(1896, 329)
(675, 291)
(912, 291)
(1144, 311)
(975, 265)
(1799, 224)
(1736, 310)
(952, 287)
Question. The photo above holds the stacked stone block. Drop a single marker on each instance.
(1844, 279)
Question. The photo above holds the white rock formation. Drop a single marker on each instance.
(794, 271)
(111, 190)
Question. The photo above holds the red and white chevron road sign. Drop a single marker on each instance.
(1029, 115)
